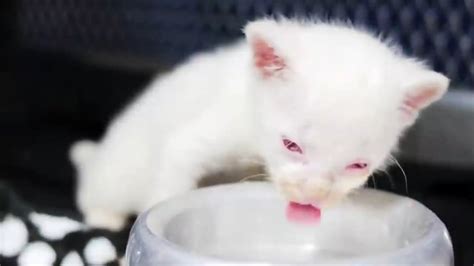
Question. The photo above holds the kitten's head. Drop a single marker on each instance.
(331, 104)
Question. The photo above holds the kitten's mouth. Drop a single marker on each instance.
(304, 205)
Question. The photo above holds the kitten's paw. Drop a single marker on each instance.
(105, 220)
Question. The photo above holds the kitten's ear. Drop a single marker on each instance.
(266, 57)
(422, 89)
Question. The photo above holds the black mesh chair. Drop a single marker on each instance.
(439, 31)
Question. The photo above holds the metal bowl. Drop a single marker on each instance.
(246, 224)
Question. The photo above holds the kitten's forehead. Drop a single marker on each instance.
(339, 55)
(355, 99)
(340, 72)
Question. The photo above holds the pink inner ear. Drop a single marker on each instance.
(266, 60)
(413, 103)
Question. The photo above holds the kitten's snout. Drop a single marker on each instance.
(306, 191)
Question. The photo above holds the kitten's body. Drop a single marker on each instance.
(186, 124)
(219, 108)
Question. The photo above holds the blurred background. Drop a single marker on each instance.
(67, 66)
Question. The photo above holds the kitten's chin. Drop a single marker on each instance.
(321, 198)
(326, 203)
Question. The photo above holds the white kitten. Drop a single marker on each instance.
(322, 105)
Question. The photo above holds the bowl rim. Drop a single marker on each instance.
(436, 230)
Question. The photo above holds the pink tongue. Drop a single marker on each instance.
(303, 214)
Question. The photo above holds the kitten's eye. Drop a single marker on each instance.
(291, 146)
(357, 166)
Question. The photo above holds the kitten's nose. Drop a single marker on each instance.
(315, 193)
(305, 192)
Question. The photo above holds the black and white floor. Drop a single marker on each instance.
(28, 237)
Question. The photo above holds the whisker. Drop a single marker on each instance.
(373, 181)
(403, 172)
(390, 179)
(253, 176)
(250, 160)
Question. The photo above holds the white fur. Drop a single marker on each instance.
(338, 97)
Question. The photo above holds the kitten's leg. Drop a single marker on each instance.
(110, 182)
(178, 172)
(99, 211)
(190, 154)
